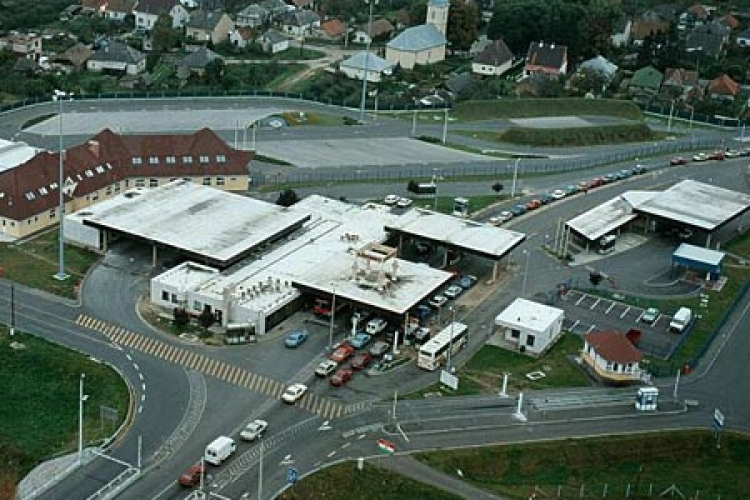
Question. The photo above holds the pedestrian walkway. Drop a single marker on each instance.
(212, 367)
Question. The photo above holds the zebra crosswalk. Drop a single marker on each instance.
(231, 374)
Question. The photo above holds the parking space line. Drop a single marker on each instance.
(610, 307)
(627, 310)
(595, 304)
(591, 328)
(583, 296)
(575, 324)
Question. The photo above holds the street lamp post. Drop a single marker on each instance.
(12, 308)
(61, 274)
(450, 341)
(371, 3)
(445, 126)
(671, 113)
(515, 176)
(81, 399)
(525, 273)
(435, 179)
(333, 318)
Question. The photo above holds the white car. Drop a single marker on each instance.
(732, 153)
(453, 291)
(700, 157)
(375, 326)
(293, 393)
(325, 368)
(503, 216)
(391, 199)
(558, 194)
(404, 202)
(438, 301)
(254, 430)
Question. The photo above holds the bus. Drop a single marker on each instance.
(435, 351)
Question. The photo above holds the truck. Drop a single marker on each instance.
(219, 450)
(680, 320)
(421, 187)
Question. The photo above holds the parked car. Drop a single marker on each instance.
(533, 204)
(422, 335)
(466, 281)
(518, 210)
(421, 312)
(379, 348)
(716, 155)
(679, 160)
(546, 198)
(361, 361)
(650, 315)
(192, 476)
(700, 157)
(391, 199)
(295, 338)
(558, 194)
(438, 301)
(610, 177)
(596, 182)
(453, 291)
(293, 393)
(624, 174)
(342, 353)
(254, 430)
(360, 340)
(404, 202)
(732, 153)
(375, 326)
(341, 377)
(639, 169)
(571, 189)
(325, 368)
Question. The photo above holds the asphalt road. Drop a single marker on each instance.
(178, 410)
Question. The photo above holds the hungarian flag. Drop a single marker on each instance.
(386, 446)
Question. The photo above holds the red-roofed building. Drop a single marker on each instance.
(724, 88)
(612, 357)
(547, 59)
(332, 29)
(108, 164)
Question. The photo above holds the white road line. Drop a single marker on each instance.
(130, 358)
(331, 454)
(140, 376)
(135, 365)
(583, 296)
(623, 314)
(591, 328)
(610, 308)
(594, 304)
(143, 387)
(140, 408)
(575, 324)
(403, 434)
(345, 445)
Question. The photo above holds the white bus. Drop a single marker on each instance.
(434, 352)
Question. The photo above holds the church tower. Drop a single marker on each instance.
(437, 14)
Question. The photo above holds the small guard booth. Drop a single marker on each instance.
(703, 260)
(647, 399)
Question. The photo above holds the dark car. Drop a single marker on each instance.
(466, 281)
(546, 198)
(678, 160)
(341, 377)
(611, 177)
(421, 312)
(362, 360)
(639, 169)
(192, 476)
(518, 210)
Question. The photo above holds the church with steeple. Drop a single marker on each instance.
(424, 44)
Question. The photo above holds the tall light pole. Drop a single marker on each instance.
(81, 399)
(671, 112)
(445, 126)
(525, 273)
(450, 341)
(254, 126)
(12, 308)
(333, 317)
(515, 176)
(61, 274)
(371, 3)
(435, 179)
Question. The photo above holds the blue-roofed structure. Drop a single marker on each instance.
(699, 259)
(423, 44)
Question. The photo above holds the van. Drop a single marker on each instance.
(219, 450)
(680, 320)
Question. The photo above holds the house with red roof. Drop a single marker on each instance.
(546, 59)
(332, 29)
(108, 164)
(723, 88)
(612, 357)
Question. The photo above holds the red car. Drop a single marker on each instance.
(342, 353)
(533, 204)
(192, 476)
(679, 160)
(716, 155)
(362, 360)
(596, 182)
(341, 377)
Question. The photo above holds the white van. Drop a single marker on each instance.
(680, 320)
(219, 450)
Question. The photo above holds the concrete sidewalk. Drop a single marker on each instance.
(408, 466)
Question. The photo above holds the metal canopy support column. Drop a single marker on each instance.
(154, 255)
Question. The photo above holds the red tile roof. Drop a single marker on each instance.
(31, 188)
(723, 85)
(614, 347)
(333, 27)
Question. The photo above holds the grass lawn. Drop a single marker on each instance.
(34, 261)
(532, 108)
(343, 481)
(42, 382)
(689, 460)
(483, 374)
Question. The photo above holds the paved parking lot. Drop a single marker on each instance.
(585, 313)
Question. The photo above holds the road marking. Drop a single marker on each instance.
(627, 310)
(595, 304)
(331, 454)
(234, 375)
(610, 308)
(578, 302)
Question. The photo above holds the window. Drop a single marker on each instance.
(53, 186)
(171, 160)
(153, 160)
(108, 192)
(220, 181)
(164, 295)
(153, 183)
(530, 339)
(203, 159)
(206, 181)
(197, 306)
(139, 183)
(221, 159)
(137, 160)
(187, 159)
(52, 214)
(174, 299)
(117, 187)
(514, 334)
(127, 183)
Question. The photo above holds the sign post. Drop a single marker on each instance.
(718, 424)
(387, 447)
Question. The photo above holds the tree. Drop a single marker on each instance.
(215, 71)
(181, 317)
(287, 198)
(497, 187)
(206, 319)
(163, 36)
(412, 186)
(417, 13)
(463, 23)
(595, 278)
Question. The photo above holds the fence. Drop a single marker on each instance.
(634, 490)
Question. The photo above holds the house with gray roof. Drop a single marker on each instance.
(205, 26)
(196, 62)
(147, 12)
(494, 60)
(743, 38)
(300, 22)
(424, 44)
(707, 40)
(273, 41)
(366, 65)
(252, 16)
(117, 57)
(601, 65)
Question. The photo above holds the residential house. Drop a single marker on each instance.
(621, 33)
(15, 153)
(118, 10)
(26, 45)
(209, 26)
(707, 40)
(643, 28)
(424, 44)
(74, 59)
(252, 16)
(479, 45)
(300, 22)
(242, 37)
(117, 57)
(611, 357)
(93, 6)
(729, 21)
(600, 65)
(300, 4)
(147, 12)
(366, 65)
(723, 88)
(694, 16)
(743, 38)
(646, 81)
(678, 81)
(332, 29)
(459, 83)
(546, 59)
(494, 60)
(273, 41)
(276, 9)
(381, 29)
(196, 62)
(529, 327)
(108, 164)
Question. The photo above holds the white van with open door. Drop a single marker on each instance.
(219, 450)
